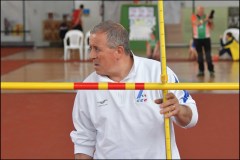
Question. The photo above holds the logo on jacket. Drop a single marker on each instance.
(141, 97)
(102, 103)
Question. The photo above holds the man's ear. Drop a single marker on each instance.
(120, 51)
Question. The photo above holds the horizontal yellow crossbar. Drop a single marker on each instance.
(36, 86)
(116, 86)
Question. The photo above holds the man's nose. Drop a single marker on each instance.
(92, 54)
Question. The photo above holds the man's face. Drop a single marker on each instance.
(104, 58)
(200, 11)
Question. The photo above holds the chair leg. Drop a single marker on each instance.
(65, 54)
(86, 53)
(80, 54)
(68, 53)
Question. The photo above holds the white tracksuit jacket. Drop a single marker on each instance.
(126, 124)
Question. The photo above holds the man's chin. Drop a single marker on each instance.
(100, 73)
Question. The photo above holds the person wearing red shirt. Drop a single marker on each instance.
(77, 18)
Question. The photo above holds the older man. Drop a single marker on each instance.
(126, 124)
(202, 26)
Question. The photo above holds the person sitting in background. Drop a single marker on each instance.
(152, 47)
(192, 51)
(231, 47)
(64, 27)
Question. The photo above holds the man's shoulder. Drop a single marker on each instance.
(147, 61)
(147, 65)
(92, 77)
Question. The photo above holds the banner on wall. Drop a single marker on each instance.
(141, 22)
(233, 17)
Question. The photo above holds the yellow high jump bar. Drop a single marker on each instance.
(116, 86)
(164, 77)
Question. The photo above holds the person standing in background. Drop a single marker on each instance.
(77, 18)
(202, 26)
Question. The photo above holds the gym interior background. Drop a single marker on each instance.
(37, 124)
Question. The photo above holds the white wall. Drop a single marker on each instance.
(112, 10)
(36, 13)
(16, 12)
(213, 3)
(13, 17)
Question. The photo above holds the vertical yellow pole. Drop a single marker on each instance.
(164, 76)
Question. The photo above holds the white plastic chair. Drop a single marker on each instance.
(86, 45)
(234, 31)
(73, 40)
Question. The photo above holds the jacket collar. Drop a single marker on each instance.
(130, 75)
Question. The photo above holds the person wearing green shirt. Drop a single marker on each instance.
(202, 26)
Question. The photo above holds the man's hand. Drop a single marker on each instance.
(169, 108)
(82, 156)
